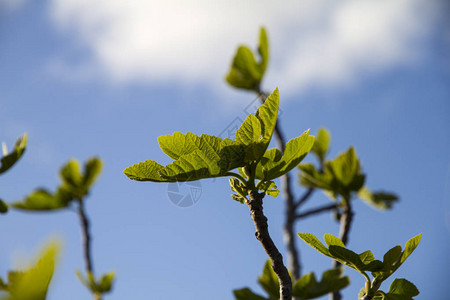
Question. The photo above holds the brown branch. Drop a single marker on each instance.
(255, 204)
(288, 229)
(317, 210)
(86, 236)
(344, 231)
(305, 197)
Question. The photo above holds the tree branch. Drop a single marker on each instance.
(344, 231)
(286, 189)
(317, 210)
(86, 236)
(305, 197)
(255, 205)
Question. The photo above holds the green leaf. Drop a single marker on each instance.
(32, 284)
(71, 176)
(246, 72)
(146, 171)
(296, 149)
(92, 169)
(179, 144)
(269, 187)
(347, 257)
(3, 207)
(246, 294)
(193, 166)
(380, 200)
(402, 289)
(239, 188)
(249, 135)
(367, 257)
(307, 286)
(410, 246)
(332, 240)
(9, 159)
(314, 242)
(100, 286)
(267, 113)
(263, 49)
(42, 199)
(321, 144)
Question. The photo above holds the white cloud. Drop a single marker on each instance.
(314, 42)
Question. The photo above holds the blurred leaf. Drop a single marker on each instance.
(92, 169)
(32, 284)
(42, 199)
(100, 286)
(9, 159)
(380, 200)
(321, 145)
(307, 286)
(3, 207)
(246, 72)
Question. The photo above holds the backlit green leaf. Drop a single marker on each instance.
(42, 199)
(307, 286)
(146, 171)
(314, 242)
(332, 240)
(92, 169)
(402, 289)
(246, 72)
(321, 144)
(296, 149)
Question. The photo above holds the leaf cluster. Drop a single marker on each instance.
(366, 262)
(307, 287)
(98, 286)
(197, 157)
(75, 185)
(342, 176)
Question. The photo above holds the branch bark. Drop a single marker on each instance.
(345, 220)
(255, 204)
(85, 236)
(317, 210)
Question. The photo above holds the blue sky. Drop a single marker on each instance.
(107, 79)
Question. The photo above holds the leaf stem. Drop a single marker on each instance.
(237, 176)
(255, 205)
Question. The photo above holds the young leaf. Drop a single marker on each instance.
(246, 72)
(270, 188)
(9, 159)
(92, 169)
(71, 176)
(100, 286)
(321, 144)
(249, 135)
(296, 149)
(32, 284)
(410, 246)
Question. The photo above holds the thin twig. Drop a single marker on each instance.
(86, 236)
(305, 197)
(317, 210)
(255, 204)
(344, 230)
